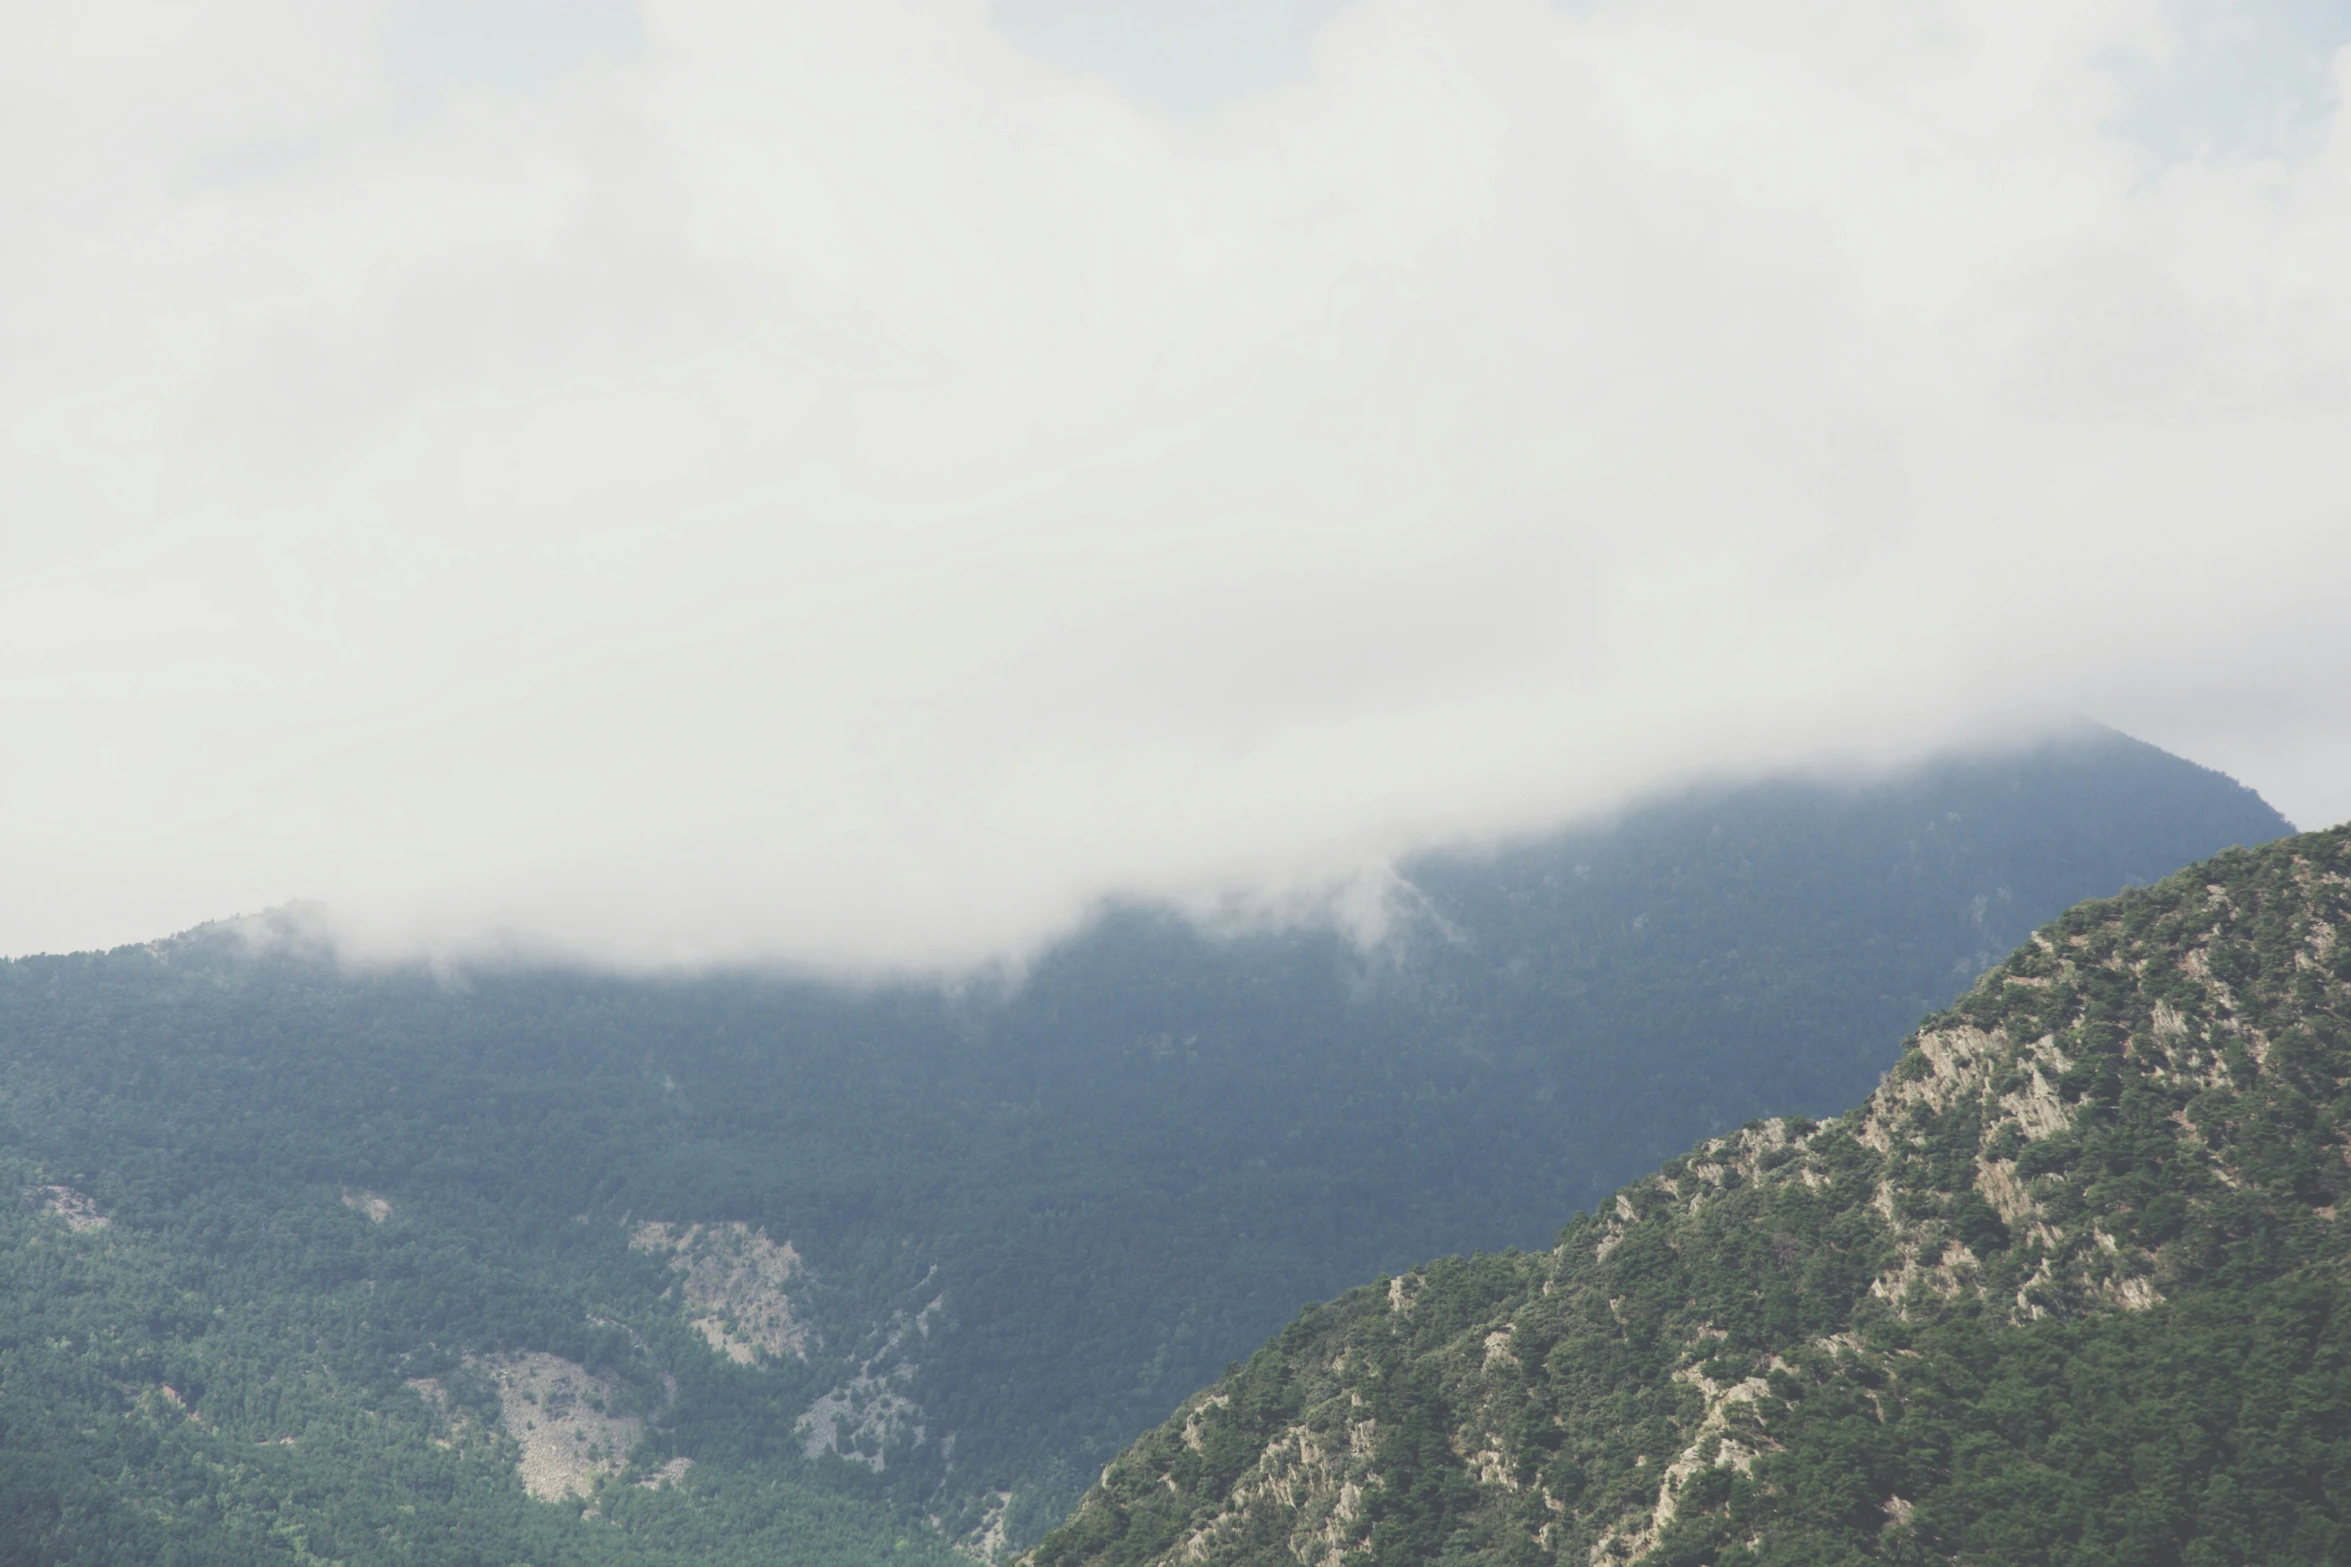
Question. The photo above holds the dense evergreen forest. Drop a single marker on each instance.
(2070, 1288)
(500, 1266)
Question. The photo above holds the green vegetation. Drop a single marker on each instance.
(1029, 1218)
(2069, 1289)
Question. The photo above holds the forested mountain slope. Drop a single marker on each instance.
(389, 1254)
(2070, 1287)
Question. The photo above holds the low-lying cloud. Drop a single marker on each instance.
(823, 483)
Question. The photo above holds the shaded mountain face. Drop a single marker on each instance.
(786, 1269)
(2069, 1287)
(1729, 953)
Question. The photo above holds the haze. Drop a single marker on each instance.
(854, 482)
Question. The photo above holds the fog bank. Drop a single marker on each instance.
(820, 481)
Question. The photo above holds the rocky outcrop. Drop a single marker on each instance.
(733, 1286)
(564, 1421)
(79, 1212)
(2124, 1111)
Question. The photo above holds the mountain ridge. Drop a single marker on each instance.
(1724, 1364)
(385, 1202)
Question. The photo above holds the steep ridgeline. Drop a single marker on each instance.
(2069, 1288)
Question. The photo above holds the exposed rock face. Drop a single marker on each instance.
(986, 1542)
(873, 1411)
(80, 1214)
(733, 1286)
(668, 1474)
(374, 1205)
(862, 1418)
(562, 1417)
(2122, 1113)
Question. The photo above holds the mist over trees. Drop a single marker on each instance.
(2068, 1288)
(1026, 1224)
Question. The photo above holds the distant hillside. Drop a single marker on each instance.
(2070, 1287)
(396, 1258)
(1771, 941)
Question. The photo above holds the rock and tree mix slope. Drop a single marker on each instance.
(2069, 1288)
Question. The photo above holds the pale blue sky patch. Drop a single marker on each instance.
(2250, 79)
(1182, 57)
(438, 47)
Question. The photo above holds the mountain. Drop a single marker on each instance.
(2070, 1287)
(534, 1264)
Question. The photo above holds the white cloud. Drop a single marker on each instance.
(818, 480)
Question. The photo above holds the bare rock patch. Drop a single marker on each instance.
(733, 1286)
(873, 1411)
(562, 1417)
(78, 1211)
(862, 1417)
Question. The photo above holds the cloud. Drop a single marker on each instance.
(820, 481)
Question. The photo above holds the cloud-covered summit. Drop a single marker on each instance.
(821, 481)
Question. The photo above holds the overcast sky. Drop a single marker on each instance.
(853, 480)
